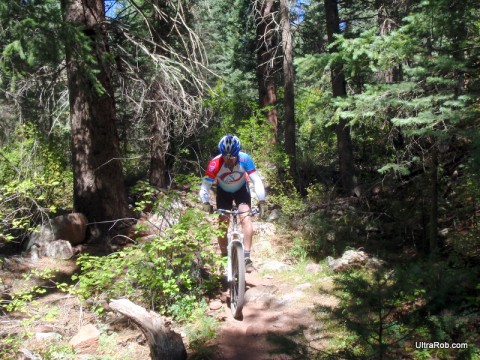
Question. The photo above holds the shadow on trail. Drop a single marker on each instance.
(264, 332)
(255, 344)
(292, 343)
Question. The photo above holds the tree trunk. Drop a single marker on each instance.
(433, 211)
(164, 343)
(389, 15)
(342, 130)
(289, 97)
(159, 145)
(99, 190)
(161, 117)
(265, 29)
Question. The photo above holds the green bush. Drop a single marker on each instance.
(169, 274)
(34, 182)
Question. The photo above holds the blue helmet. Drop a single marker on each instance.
(229, 145)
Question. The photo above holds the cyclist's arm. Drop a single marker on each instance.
(210, 175)
(205, 189)
(258, 185)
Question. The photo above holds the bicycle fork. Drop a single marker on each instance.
(234, 236)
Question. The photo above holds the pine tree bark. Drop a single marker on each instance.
(99, 190)
(433, 199)
(265, 32)
(160, 140)
(159, 144)
(342, 130)
(289, 96)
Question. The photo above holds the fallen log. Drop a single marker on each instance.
(164, 343)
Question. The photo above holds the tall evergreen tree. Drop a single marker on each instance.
(31, 51)
(267, 45)
(289, 85)
(413, 77)
(342, 129)
(99, 190)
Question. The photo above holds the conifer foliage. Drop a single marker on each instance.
(375, 144)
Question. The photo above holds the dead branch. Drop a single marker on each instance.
(164, 343)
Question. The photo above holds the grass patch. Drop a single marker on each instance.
(201, 329)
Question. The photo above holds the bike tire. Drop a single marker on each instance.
(237, 285)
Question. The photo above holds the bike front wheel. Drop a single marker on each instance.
(237, 285)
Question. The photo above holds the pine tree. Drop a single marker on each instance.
(342, 129)
(99, 190)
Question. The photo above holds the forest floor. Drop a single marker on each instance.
(280, 317)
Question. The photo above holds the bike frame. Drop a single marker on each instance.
(236, 277)
(234, 235)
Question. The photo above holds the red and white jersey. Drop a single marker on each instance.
(230, 180)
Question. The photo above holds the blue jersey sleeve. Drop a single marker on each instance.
(246, 162)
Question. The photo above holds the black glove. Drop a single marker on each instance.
(207, 207)
(262, 207)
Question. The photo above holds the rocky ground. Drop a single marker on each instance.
(281, 298)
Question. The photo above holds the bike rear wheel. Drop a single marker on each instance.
(237, 285)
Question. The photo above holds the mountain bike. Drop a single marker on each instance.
(236, 261)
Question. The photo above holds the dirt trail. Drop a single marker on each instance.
(279, 306)
(263, 315)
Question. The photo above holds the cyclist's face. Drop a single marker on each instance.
(230, 160)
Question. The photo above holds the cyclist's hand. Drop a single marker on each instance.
(262, 207)
(207, 207)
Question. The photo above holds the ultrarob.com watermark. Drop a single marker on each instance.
(439, 345)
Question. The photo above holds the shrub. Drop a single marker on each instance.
(169, 274)
(34, 182)
(387, 312)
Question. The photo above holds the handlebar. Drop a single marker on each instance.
(234, 211)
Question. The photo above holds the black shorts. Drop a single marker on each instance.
(225, 199)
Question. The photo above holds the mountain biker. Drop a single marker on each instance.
(230, 169)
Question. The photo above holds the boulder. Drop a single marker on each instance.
(313, 268)
(275, 214)
(86, 340)
(261, 294)
(215, 305)
(71, 227)
(353, 258)
(276, 266)
(57, 249)
(155, 223)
